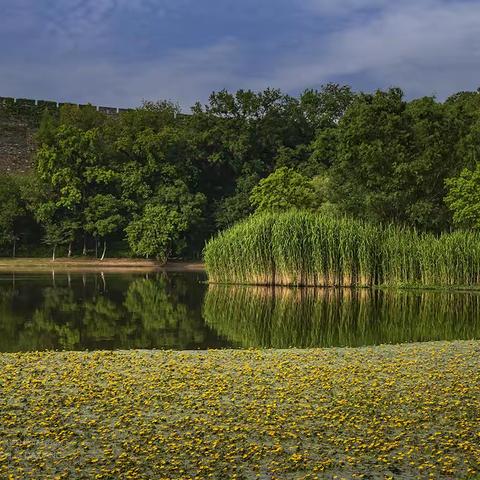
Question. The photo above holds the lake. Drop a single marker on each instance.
(178, 310)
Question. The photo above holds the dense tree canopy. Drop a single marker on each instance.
(463, 198)
(156, 182)
(282, 190)
(12, 211)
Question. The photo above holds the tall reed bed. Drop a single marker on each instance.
(307, 249)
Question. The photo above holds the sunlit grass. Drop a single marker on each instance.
(408, 411)
(301, 248)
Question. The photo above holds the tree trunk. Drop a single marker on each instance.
(84, 252)
(69, 250)
(96, 247)
(104, 249)
(14, 247)
(53, 253)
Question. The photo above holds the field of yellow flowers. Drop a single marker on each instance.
(406, 411)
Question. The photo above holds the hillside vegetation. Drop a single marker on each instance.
(156, 183)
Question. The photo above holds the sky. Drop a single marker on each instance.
(121, 52)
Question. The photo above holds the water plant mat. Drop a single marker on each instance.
(406, 411)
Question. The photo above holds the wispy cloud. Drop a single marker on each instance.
(120, 51)
(344, 7)
(426, 47)
(65, 24)
(72, 23)
(185, 75)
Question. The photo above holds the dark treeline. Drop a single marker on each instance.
(153, 182)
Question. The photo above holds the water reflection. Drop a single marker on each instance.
(76, 311)
(282, 317)
(71, 311)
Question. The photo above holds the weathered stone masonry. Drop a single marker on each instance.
(19, 120)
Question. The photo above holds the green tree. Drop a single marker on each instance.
(103, 216)
(56, 234)
(84, 118)
(369, 142)
(12, 212)
(160, 230)
(324, 194)
(47, 129)
(152, 234)
(73, 169)
(282, 190)
(463, 114)
(390, 159)
(463, 198)
(236, 138)
(73, 166)
(236, 207)
(431, 159)
(149, 148)
(325, 107)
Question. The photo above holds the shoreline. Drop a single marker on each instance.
(384, 348)
(93, 264)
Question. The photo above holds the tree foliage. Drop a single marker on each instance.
(463, 198)
(282, 190)
(373, 156)
(160, 230)
(152, 234)
(12, 211)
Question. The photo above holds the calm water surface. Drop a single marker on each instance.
(75, 311)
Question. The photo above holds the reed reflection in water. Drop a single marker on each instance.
(287, 317)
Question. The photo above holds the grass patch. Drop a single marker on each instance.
(301, 248)
(407, 411)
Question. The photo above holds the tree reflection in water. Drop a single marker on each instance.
(92, 311)
(123, 311)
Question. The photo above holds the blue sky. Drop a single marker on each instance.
(118, 52)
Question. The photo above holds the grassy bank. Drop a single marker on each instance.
(85, 264)
(300, 248)
(407, 411)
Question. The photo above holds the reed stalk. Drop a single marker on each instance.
(308, 249)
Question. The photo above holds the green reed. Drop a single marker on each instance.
(307, 249)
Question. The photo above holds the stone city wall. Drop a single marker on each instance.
(19, 120)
